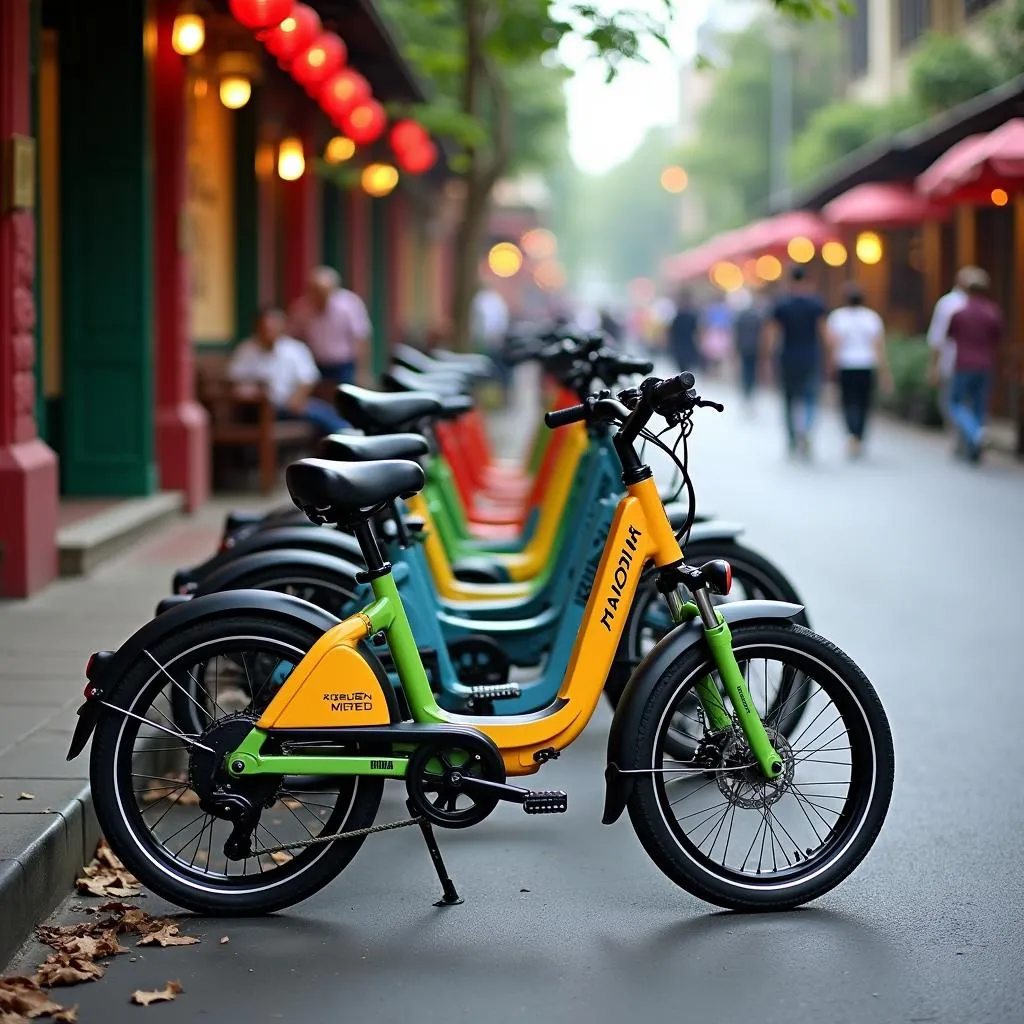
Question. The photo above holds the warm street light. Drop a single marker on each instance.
(674, 179)
(869, 248)
(727, 276)
(291, 161)
(999, 197)
(769, 268)
(236, 71)
(800, 249)
(834, 253)
(379, 179)
(539, 244)
(339, 149)
(188, 34)
(505, 259)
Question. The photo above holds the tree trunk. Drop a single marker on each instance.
(469, 238)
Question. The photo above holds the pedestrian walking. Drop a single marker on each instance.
(333, 323)
(682, 333)
(747, 330)
(943, 349)
(855, 338)
(490, 321)
(976, 330)
(794, 336)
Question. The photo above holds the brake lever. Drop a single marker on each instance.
(702, 403)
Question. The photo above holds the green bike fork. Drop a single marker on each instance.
(719, 639)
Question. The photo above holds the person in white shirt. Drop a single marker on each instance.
(490, 323)
(855, 339)
(943, 349)
(285, 370)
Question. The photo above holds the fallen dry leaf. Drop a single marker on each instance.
(26, 796)
(125, 919)
(87, 940)
(106, 882)
(106, 856)
(281, 857)
(164, 995)
(62, 969)
(68, 1016)
(22, 997)
(224, 940)
(167, 935)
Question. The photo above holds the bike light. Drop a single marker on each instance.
(718, 575)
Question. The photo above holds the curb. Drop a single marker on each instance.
(34, 881)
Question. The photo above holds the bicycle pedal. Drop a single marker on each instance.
(505, 691)
(546, 801)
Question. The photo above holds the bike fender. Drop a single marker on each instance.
(712, 530)
(109, 666)
(642, 682)
(676, 512)
(229, 576)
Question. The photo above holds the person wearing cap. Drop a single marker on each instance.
(977, 331)
(855, 336)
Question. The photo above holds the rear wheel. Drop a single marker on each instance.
(152, 780)
(723, 832)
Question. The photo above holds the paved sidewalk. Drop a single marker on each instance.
(44, 645)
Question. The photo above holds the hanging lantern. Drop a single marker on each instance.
(319, 62)
(342, 92)
(365, 123)
(261, 14)
(294, 35)
(408, 135)
(291, 160)
(188, 33)
(378, 179)
(418, 160)
(236, 71)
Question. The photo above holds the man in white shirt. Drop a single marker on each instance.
(943, 350)
(284, 368)
(490, 323)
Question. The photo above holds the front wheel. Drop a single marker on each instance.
(716, 826)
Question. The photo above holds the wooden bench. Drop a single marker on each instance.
(252, 423)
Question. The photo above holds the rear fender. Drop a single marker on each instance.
(107, 668)
(638, 690)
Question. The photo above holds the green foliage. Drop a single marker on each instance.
(913, 397)
(1004, 29)
(947, 70)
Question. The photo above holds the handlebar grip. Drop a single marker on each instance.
(629, 366)
(563, 417)
(673, 388)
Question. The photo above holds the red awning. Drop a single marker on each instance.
(772, 236)
(880, 204)
(977, 164)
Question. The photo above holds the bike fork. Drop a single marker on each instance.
(719, 638)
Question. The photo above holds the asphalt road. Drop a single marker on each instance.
(909, 561)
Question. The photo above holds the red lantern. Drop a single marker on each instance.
(365, 122)
(342, 92)
(294, 35)
(313, 67)
(408, 135)
(260, 14)
(418, 159)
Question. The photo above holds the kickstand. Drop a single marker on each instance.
(451, 897)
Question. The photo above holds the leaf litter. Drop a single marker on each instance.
(79, 948)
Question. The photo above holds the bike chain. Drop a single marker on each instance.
(337, 837)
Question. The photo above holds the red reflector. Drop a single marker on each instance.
(88, 667)
(728, 577)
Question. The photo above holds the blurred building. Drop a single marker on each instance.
(155, 201)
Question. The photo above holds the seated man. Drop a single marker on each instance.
(285, 368)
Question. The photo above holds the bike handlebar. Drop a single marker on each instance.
(563, 417)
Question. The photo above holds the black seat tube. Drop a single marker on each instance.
(375, 564)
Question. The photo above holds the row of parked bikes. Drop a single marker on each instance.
(427, 612)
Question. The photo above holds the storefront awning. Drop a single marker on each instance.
(978, 164)
(887, 204)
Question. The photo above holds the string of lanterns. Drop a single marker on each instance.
(292, 33)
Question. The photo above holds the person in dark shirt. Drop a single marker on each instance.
(977, 330)
(747, 328)
(682, 334)
(796, 338)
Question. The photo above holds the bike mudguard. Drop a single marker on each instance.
(673, 645)
(107, 667)
(290, 562)
(305, 538)
(676, 512)
(712, 530)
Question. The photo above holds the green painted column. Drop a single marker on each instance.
(247, 240)
(380, 263)
(107, 250)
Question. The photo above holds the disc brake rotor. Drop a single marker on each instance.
(748, 787)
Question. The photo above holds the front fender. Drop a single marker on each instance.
(109, 667)
(638, 690)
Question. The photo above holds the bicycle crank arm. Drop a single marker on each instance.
(545, 801)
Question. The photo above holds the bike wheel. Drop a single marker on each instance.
(148, 776)
(317, 585)
(794, 838)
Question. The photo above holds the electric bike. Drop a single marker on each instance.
(761, 815)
